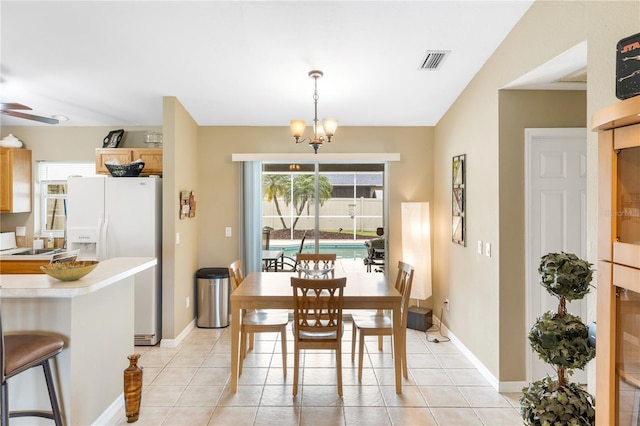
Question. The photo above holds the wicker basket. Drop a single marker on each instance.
(125, 170)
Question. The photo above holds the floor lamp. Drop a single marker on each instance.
(416, 250)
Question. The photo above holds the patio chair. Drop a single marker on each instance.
(381, 324)
(317, 320)
(266, 237)
(290, 264)
(375, 254)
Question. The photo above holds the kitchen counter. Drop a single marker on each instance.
(106, 273)
(95, 317)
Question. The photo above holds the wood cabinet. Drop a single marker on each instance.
(15, 180)
(152, 158)
(618, 293)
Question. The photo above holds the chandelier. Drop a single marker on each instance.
(321, 132)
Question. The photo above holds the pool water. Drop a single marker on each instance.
(352, 251)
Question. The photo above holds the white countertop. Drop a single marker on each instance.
(42, 285)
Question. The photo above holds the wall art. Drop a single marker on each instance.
(458, 199)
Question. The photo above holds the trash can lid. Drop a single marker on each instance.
(213, 273)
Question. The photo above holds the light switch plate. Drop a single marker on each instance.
(479, 247)
(487, 249)
(227, 231)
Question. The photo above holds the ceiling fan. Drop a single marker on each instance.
(8, 109)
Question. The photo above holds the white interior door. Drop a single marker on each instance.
(555, 209)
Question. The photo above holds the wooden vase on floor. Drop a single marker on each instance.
(132, 388)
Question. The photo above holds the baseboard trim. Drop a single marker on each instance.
(502, 387)
(112, 415)
(172, 343)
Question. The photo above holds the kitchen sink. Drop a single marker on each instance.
(34, 252)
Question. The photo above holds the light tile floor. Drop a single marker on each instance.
(189, 385)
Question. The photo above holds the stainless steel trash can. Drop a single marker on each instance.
(212, 298)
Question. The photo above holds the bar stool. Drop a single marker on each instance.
(18, 353)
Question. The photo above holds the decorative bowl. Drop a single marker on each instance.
(69, 271)
(125, 170)
(316, 273)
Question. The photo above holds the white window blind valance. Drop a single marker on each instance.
(360, 157)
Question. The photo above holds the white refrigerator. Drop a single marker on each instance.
(121, 217)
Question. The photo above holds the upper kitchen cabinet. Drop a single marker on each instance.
(152, 158)
(15, 180)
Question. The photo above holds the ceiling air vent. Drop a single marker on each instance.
(433, 59)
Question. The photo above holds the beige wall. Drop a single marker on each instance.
(482, 313)
(520, 109)
(180, 260)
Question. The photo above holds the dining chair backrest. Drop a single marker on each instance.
(404, 281)
(316, 260)
(235, 273)
(317, 320)
(317, 306)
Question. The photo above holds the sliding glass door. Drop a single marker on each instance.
(323, 207)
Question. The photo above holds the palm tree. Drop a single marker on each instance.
(304, 193)
(274, 186)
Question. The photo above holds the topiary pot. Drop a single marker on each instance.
(544, 403)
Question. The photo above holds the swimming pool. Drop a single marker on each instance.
(342, 251)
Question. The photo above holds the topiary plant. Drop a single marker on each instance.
(560, 339)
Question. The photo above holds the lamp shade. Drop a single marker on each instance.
(297, 127)
(330, 126)
(416, 246)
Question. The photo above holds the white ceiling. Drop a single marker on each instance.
(244, 63)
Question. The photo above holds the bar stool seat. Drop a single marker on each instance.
(20, 352)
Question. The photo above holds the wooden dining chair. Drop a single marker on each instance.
(258, 321)
(317, 320)
(310, 261)
(380, 323)
(19, 353)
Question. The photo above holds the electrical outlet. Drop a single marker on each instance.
(188, 302)
(227, 231)
(446, 304)
(479, 247)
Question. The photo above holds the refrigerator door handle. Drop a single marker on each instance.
(102, 242)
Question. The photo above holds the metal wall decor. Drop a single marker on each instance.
(458, 230)
(187, 204)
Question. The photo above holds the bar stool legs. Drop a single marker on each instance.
(55, 414)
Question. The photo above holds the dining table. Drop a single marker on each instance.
(272, 290)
